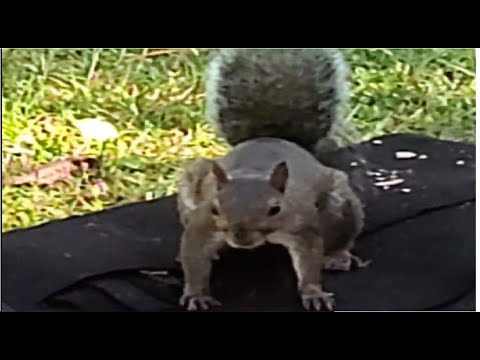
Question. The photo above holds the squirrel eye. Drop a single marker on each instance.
(274, 210)
(214, 211)
(321, 201)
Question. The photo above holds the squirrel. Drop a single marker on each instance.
(277, 108)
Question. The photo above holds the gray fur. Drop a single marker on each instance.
(340, 218)
(258, 157)
(295, 94)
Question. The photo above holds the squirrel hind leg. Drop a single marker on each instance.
(344, 261)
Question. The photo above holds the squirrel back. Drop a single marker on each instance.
(257, 159)
(293, 94)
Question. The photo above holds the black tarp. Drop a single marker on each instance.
(422, 244)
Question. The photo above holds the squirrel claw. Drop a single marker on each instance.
(345, 262)
(338, 264)
(359, 262)
(314, 298)
(198, 302)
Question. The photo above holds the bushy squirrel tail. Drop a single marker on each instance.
(295, 94)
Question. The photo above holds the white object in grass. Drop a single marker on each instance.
(96, 129)
(17, 150)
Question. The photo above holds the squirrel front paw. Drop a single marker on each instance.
(194, 302)
(314, 298)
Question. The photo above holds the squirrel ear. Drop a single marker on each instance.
(279, 177)
(220, 174)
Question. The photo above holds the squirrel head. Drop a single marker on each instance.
(247, 209)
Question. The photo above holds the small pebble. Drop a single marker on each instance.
(389, 182)
(381, 178)
(405, 154)
(386, 187)
(154, 273)
(423, 157)
(377, 142)
(67, 255)
(353, 164)
(406, 190)
(373, 173)
(460, 162)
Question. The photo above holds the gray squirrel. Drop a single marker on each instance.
(277, 108)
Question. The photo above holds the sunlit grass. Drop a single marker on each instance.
(155, 100)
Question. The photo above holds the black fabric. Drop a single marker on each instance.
(422, 244)
(88, 298)
(435, 182)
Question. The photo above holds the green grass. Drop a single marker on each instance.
(155, 100)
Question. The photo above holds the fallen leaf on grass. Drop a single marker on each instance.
(51, 173)
(99, 187)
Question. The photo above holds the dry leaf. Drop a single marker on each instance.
(50, 173)
(99, 188)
